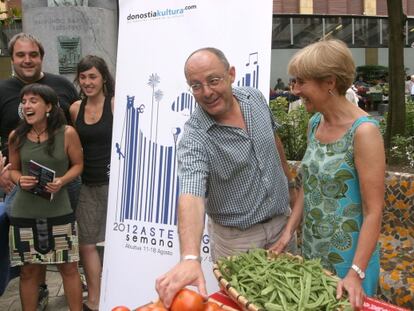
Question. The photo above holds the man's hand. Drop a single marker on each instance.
(3, 167)
(187, 272)
(5, 182)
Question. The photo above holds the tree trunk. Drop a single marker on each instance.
(396, 104)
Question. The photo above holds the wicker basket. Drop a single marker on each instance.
(242, 301)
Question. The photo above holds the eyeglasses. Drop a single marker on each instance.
(197, 88)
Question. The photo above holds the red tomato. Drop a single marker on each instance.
(187, 300)
(211, 306)
(121, 308)
(158, 306)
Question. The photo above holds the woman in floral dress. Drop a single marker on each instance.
(342, 194)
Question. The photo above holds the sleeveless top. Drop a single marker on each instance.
(29, 205)
(332, 208)
(96, 143)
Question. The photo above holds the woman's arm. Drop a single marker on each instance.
(75, 154)
(370, 164)
(295, 218)
(369, 158)
(24, 181)
(14, 160)
(74, 110)
(283, 159)
(293, 192)
(294, 221)
(73, 149)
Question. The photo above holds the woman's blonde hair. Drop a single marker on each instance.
(323, 59)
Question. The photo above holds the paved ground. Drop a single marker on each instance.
(10, 301)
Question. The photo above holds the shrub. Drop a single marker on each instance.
(401, 151)
(294, 126)
(293, 129)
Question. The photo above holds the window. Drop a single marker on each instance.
(340, 28)
(297, 31)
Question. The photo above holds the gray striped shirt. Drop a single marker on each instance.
(238, 171)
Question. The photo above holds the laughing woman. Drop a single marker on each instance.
(92, 117)
(44, 231)
(343, 171)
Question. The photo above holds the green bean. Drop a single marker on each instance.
(273, 307)
(317, 303)
(267, 290)
(281, 283)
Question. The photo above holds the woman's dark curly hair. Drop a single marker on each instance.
(55, 120)
(90, 61)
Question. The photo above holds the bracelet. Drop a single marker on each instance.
(18, 181)
(190, 257)
(358, 270)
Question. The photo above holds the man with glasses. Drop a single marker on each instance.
(232, 167)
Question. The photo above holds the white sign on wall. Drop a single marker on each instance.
(152, 103)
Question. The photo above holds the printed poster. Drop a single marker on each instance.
(152, 103)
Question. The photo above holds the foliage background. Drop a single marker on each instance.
(294, 126)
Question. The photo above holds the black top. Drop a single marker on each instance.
(10, 99)
(96, 143)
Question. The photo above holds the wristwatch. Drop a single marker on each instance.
(190, 257)
(358, 270)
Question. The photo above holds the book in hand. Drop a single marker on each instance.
(43, 175)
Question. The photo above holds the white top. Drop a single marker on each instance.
(351, 96)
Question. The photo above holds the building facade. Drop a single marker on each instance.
(363, 25)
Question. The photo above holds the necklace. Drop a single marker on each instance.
(38, 134)
(93, 115)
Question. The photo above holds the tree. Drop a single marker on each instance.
(396, 107)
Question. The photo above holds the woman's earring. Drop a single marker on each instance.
(47, 114)
(330, 92)
(20, 111)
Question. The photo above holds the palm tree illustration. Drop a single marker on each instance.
(158, 96)
(153, 81)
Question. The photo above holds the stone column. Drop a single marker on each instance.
(71, 29)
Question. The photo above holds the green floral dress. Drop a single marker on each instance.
(332, 209)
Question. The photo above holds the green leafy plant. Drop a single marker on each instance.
(12, 14)
(385, 88)
(293, 129)
(401, 151)
(294, 126)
